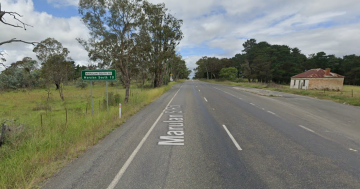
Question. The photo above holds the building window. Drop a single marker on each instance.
(294, 82)
(304, 83)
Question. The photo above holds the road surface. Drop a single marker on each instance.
(203, 135)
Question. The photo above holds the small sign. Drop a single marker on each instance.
(98, 75)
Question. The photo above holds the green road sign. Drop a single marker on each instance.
(98, 75)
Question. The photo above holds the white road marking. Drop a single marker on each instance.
(232, 138)
(133, 154)
(199, 90)
(252, 104)
(240, 98)
(205, 99)
(263, 108)
(306, 128)
(352, 150)
(271, 112)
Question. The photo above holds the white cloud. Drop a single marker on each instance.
(312, 26)
(65, 30)
(61, 3)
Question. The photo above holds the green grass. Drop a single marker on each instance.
(33, 151)
(349, 95)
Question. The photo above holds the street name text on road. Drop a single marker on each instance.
(175, 135)
(98, 75)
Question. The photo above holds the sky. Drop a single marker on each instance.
(211, 27)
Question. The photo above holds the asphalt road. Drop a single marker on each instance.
(202, 135)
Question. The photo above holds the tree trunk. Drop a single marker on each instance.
(61, 88)
(127, 87)
(158, 79)
(57, 86)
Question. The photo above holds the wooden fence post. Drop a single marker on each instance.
(66, 114)
(3, 129)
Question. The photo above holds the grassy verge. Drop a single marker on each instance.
(349, 94)
(47, 135)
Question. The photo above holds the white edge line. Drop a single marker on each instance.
(205, 99)
(271, 112)
(306, 128)
(129, 160)
(252, 104)
(232, 138)
(352, 149)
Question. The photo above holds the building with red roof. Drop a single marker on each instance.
(317, 79)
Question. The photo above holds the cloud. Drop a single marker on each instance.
(312, 26)
(65, 30)
(61, 3)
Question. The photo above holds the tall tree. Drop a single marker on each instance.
(56, 65)
(250, 56)
(112, 26)
(165, 34)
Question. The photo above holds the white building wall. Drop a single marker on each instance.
(299, 83)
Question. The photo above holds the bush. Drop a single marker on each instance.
(81, 84)
(228, 73)
(114, 99)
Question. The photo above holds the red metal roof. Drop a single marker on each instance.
(316, 73)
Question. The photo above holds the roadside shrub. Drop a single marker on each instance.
(81, 84)
(114, 99)
(228, 73)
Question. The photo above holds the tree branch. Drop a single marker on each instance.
(14, 14)
(16, 40)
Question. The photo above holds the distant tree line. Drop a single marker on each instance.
(134, 37)
(263, 62)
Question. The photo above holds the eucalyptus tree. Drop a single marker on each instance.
(56, 64)
(178, 68)
(21, 74)
(112, 25)
(165, 34)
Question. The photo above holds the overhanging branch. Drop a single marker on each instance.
(17, 40)
(13, 14)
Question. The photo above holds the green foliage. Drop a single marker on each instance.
(228, 73)
(263, 62)
(81, 84)
(21, 74)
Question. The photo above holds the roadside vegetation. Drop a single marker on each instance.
(43, 135)
(349, 95)
(272, 63)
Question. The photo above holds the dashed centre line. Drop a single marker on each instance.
(252, 104)
(205, 99)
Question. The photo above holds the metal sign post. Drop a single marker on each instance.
(107, 98)
(92, 109)
(99, 75)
